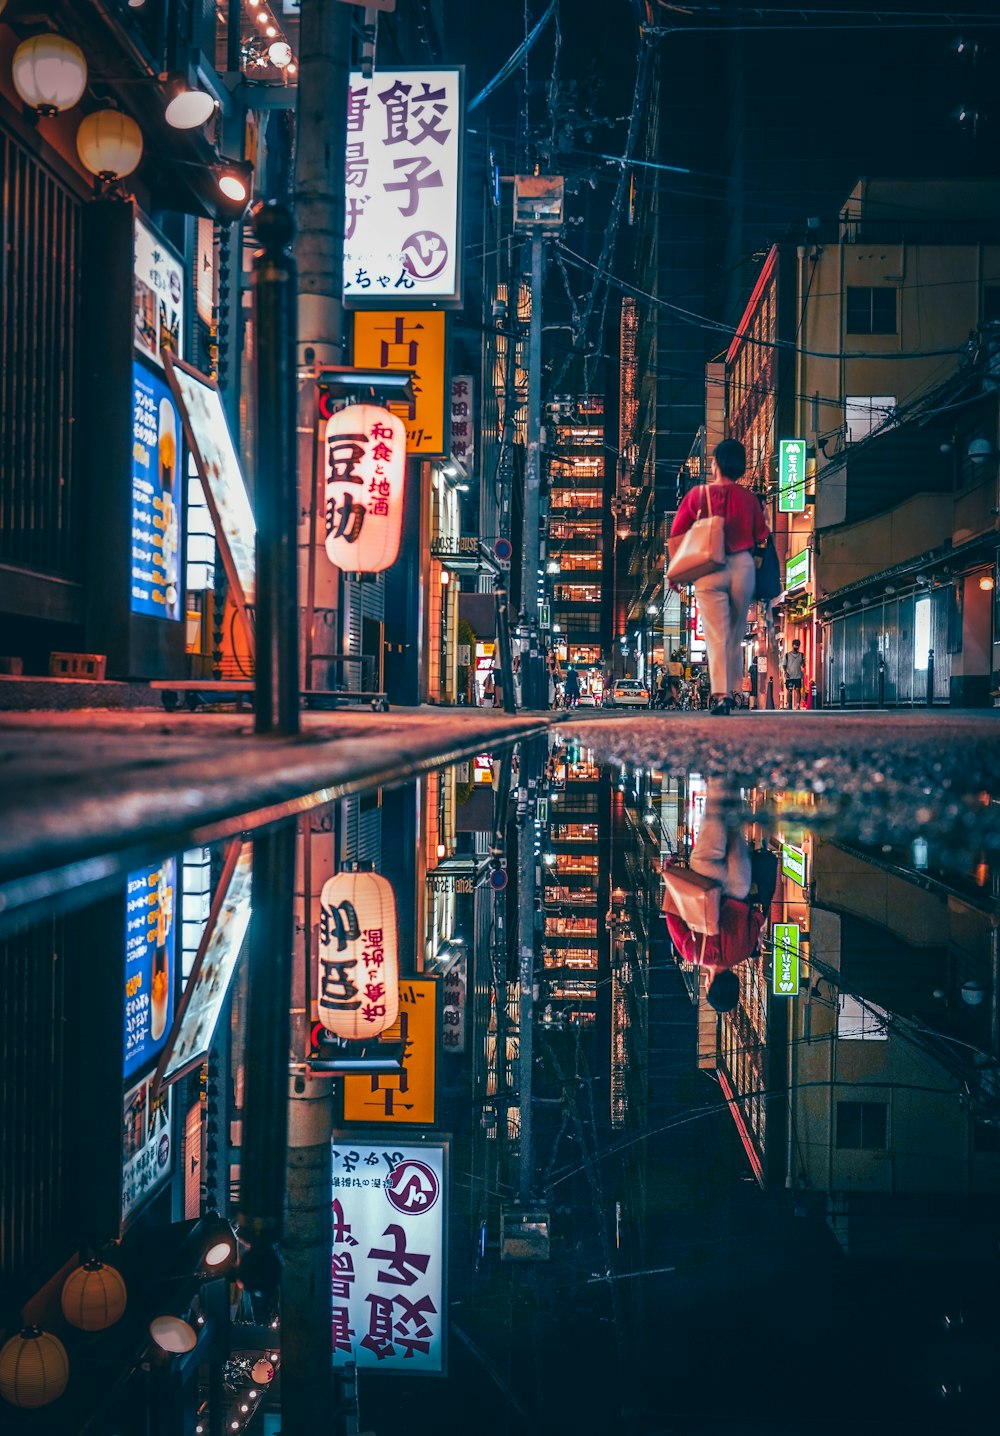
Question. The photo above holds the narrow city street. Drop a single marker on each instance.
(499, 718)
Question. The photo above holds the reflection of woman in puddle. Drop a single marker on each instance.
(721, 853)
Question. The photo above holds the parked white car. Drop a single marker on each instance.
(629, 693)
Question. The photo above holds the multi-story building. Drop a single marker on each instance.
(843, 341)
(579, 541)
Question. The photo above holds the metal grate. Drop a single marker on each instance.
(32, 1134)
(39, 264)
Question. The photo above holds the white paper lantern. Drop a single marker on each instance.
(34, 1368)
(49, 73)
(365, 467)
(109, 144)
(358, 963)
(93, 1296)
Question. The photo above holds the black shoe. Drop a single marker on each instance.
(721, 708)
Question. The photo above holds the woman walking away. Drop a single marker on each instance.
(724, 596)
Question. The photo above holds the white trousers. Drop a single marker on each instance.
(720, 850)
(724, 599)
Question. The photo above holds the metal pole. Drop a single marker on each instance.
(528, 781)
(533, 690)
(265, 1125)
(503, 644)
(930, 677)
(276, 696)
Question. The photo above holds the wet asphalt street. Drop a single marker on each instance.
(120, 777)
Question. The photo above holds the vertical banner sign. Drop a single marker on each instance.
(150, 948)
(365, 474)
(463, 421)
(159, 296)
(409, 1095)
(402, 181)
(413, 340)
(157, 495)
(786, 959)
(791, 476)
(453, 994)
(793, 864)
(390, 1215)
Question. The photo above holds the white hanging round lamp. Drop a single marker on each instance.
(93, 1296)
(34, 1368)
(49, 73)
(109, 144)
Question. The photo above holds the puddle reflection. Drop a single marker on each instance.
(650, 1096)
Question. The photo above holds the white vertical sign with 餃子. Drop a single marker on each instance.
(390, 1219)
(403, 172)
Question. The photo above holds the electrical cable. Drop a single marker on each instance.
(519, 56)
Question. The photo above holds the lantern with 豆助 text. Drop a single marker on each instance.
(358, 960)
(365, 469)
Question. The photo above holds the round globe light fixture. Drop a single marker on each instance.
(280, 54)
(49, 73)
(109, 144)
(262, 1372)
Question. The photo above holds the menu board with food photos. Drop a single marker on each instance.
(214, 965)
(147, 1145)
(207, 432)
(157, 487)
(159, 296)
(150, 948)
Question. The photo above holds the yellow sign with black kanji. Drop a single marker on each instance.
(413, 339)
(409, 1095)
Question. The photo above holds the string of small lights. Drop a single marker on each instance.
(264, 45)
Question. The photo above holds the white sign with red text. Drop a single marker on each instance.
(390, 1212)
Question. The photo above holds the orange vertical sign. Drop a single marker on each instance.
(407, 1096)
(411, 339)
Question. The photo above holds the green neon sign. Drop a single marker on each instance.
(793, 864)
(791, 476)
(785, 981)
(797, 570)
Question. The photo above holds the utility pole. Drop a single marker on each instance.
(538, 207)
(527, 807)
(532, 678)
(307, 1377)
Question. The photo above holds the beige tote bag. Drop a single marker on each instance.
(701, 550)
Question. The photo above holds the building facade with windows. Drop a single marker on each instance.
(844, 340)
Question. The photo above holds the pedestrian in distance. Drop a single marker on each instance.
(793, 666)
(572, 687)
(724, 596)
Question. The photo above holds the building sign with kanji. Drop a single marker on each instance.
(414, 340)
(390, 1213)
(454, 988)
(463, 421)
(365, 474)
(408, 1095)
(402, 242)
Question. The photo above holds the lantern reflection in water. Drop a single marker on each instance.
(358, 966)
(365, 468)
